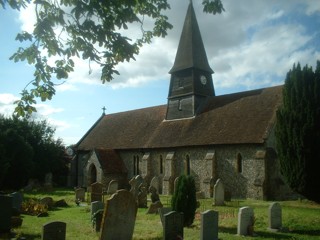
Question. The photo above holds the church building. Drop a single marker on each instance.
(228, 137)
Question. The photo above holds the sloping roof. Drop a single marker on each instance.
(239, 118)
(110, 161)
(191, 52)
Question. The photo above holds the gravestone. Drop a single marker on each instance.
(275, 217)
(175, 184)
(209, 225)
(17, 199)
(47, 201)
(162, 212)
(5, 213)
(245, 221)
(48, 180)
(154, 195)
(173, 226)
(54, 231)
(155, 183)
(135, 182)
(113, 187)
(96, 206)
(119, 216)
(142, 196)
(96, 192)
(80, 194)
(97, 219)
(154, 207)
(218, 193)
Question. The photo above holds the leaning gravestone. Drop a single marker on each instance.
(119, 216)
(17, 199)
(113, 187)
(5, 213)
(154, 207)
(173, 226)
(96, 191)
(80, 194)
(162, 212)
(135, 183)
(275, 217)
(245, 221)
(218, 193)
(54, 231)
(142, 196)
(209, 225)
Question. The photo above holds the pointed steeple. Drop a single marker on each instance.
(191, 52)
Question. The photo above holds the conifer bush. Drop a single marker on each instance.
(184, 199)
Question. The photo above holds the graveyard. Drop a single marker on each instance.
(298, 219)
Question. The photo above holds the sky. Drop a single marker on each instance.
(251, 45)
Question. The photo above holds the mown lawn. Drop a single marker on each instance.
(300, 218)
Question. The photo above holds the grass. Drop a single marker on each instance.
(301, 218)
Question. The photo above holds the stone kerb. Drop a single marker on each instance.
(209, 225)
(119, 216)
(218, 193)
(245, 221)
(54, 231)
(275, 217)
(173, 226)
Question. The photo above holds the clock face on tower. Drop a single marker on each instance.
(203, 79)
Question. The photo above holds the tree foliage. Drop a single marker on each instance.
(27, 150)
(298, 131)
(93, 30)
(184, 199)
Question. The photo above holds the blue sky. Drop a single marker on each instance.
(251, 45)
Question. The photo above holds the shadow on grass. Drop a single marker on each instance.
(229, 230)
(307, 232)
(31, 236)
(272, 235)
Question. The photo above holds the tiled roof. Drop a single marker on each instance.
(110, 161)
(239, 118)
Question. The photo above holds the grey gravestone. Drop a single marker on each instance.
(47, 201)
(135, 183)
(162, 212)
(173, 226)
(96, 191)
(175, 184)
(142, 196)
(245, 221)
(154, 195)
(97, 219)
(209, 225)
(119, 216)
(48, 180)
(17, 199)
(155, 183)
(275, 216)
(96, 206)
(218, 193)
(154, 207)
(54, 231)
(80, 194)
(113, 187)
(6, 213)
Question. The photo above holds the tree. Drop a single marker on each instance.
(184, 199)
(28, 150)
(91, 29)
(298, 131)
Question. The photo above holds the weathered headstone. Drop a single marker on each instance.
(275, 217)
(218, 193)
(245, 221)
(113, 187)
(96, 206)
(17, 199)
(119, 216)
(80, 194)
(173, 226)
(162, 212)
(154, 195)
(48, 180)
(175, 184)
(155, 183)
(96, 191)
(209, 225)
(97, 219)
(47, 201)
(5, 213)
(54, 231)
(135, 182)
(154, 206)
(142, 196)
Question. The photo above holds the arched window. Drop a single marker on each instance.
(187, 165)
(93, 174)
(138, 170)
(161, 164)
(239, 163)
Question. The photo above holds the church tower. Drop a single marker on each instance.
(191, 76)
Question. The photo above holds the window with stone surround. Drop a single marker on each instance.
(136, 165)
(161, 164)
(239, 163)
(187, 165)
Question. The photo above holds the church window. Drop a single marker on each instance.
(161, 164)
(180, 82)
(180, 105)
(136, 165)
(239, 163)
(187, 165)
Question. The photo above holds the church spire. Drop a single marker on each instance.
(191, 52)
(191, 76)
